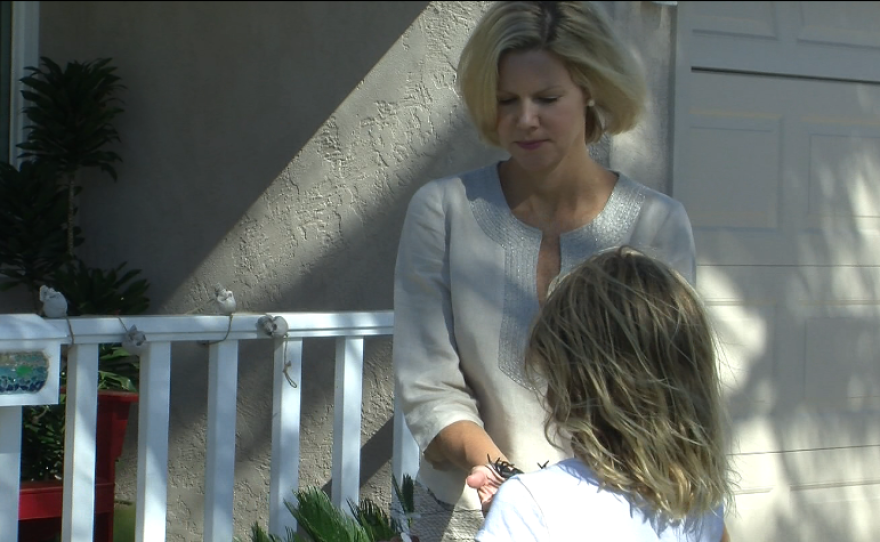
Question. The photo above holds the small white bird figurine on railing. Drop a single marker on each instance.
(224, 299)
(54, 303)
(273, 327)
(134, 342)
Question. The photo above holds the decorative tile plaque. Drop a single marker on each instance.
(23, 372)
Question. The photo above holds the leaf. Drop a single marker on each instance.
(113, 381)
(323, 521)
(42, 442)
(405, 494)
(375, 521)
(33, 219)
(97, 291)
(259, 535)
(71, 114)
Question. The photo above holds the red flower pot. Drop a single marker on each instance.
(40, 503)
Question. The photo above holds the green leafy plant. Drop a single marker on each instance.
(42, 442)
(96, 291)
(117, 369)
(71, 113)
(34, 222)
(259, 535)
(322, 521)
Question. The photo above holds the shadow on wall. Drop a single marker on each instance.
(271, 147)
(220, 97)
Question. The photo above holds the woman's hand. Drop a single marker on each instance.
(486, 481)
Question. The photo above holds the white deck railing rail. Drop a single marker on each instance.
(222, 334)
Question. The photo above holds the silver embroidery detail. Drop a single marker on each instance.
(521, 244)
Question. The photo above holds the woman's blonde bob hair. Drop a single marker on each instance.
(627, 355)
(581, 35)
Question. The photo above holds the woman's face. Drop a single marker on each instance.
(541, 111)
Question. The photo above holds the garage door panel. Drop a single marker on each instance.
(836, 40)
(845, 512)
(734, 193)
(747, 338)
(807, 496)
(832, 188)
(803, 429)
(780, 171)
(844, 174)
(799, 349)
(841, 368)
(853, 24)
(740, 19)
(835, 492)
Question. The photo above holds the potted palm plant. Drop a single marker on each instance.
(70, 114)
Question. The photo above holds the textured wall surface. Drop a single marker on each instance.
(273, 147)
(645, 153)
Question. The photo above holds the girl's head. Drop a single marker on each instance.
(628, 358)
(580, 35)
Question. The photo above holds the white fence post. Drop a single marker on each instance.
(152, 477)
(10, 469)
(286, 405)
(404, 454)
(347, 421)
(220, 455)
(81, 411)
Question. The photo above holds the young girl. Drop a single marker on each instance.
(626, 355)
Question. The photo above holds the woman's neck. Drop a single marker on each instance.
(560, 200)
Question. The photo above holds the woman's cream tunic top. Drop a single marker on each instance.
(465, 295)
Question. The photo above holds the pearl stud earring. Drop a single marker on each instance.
(591, 102)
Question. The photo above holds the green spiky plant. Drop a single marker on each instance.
(70, 114)
(321, 521)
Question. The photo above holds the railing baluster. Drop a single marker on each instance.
(220, 455)
(404, 454)
(286, 404)
(10, 469)
(152, 478)
(347, 421)
(81, 411)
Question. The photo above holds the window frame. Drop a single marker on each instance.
(25, 51)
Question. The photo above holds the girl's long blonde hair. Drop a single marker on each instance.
(627, 355)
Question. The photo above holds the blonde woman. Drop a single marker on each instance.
(625, 356)
(479, 250)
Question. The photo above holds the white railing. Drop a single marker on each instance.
(222, 334)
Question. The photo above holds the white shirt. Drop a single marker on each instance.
(564, 503)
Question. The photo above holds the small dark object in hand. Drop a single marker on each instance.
(503, 468)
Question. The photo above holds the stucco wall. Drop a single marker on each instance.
(272, 147)
(645, 153)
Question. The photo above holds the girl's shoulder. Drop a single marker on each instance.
(568, 472)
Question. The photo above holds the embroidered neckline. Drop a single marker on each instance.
(521, 244)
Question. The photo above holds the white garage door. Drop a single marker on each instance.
(777, 159)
